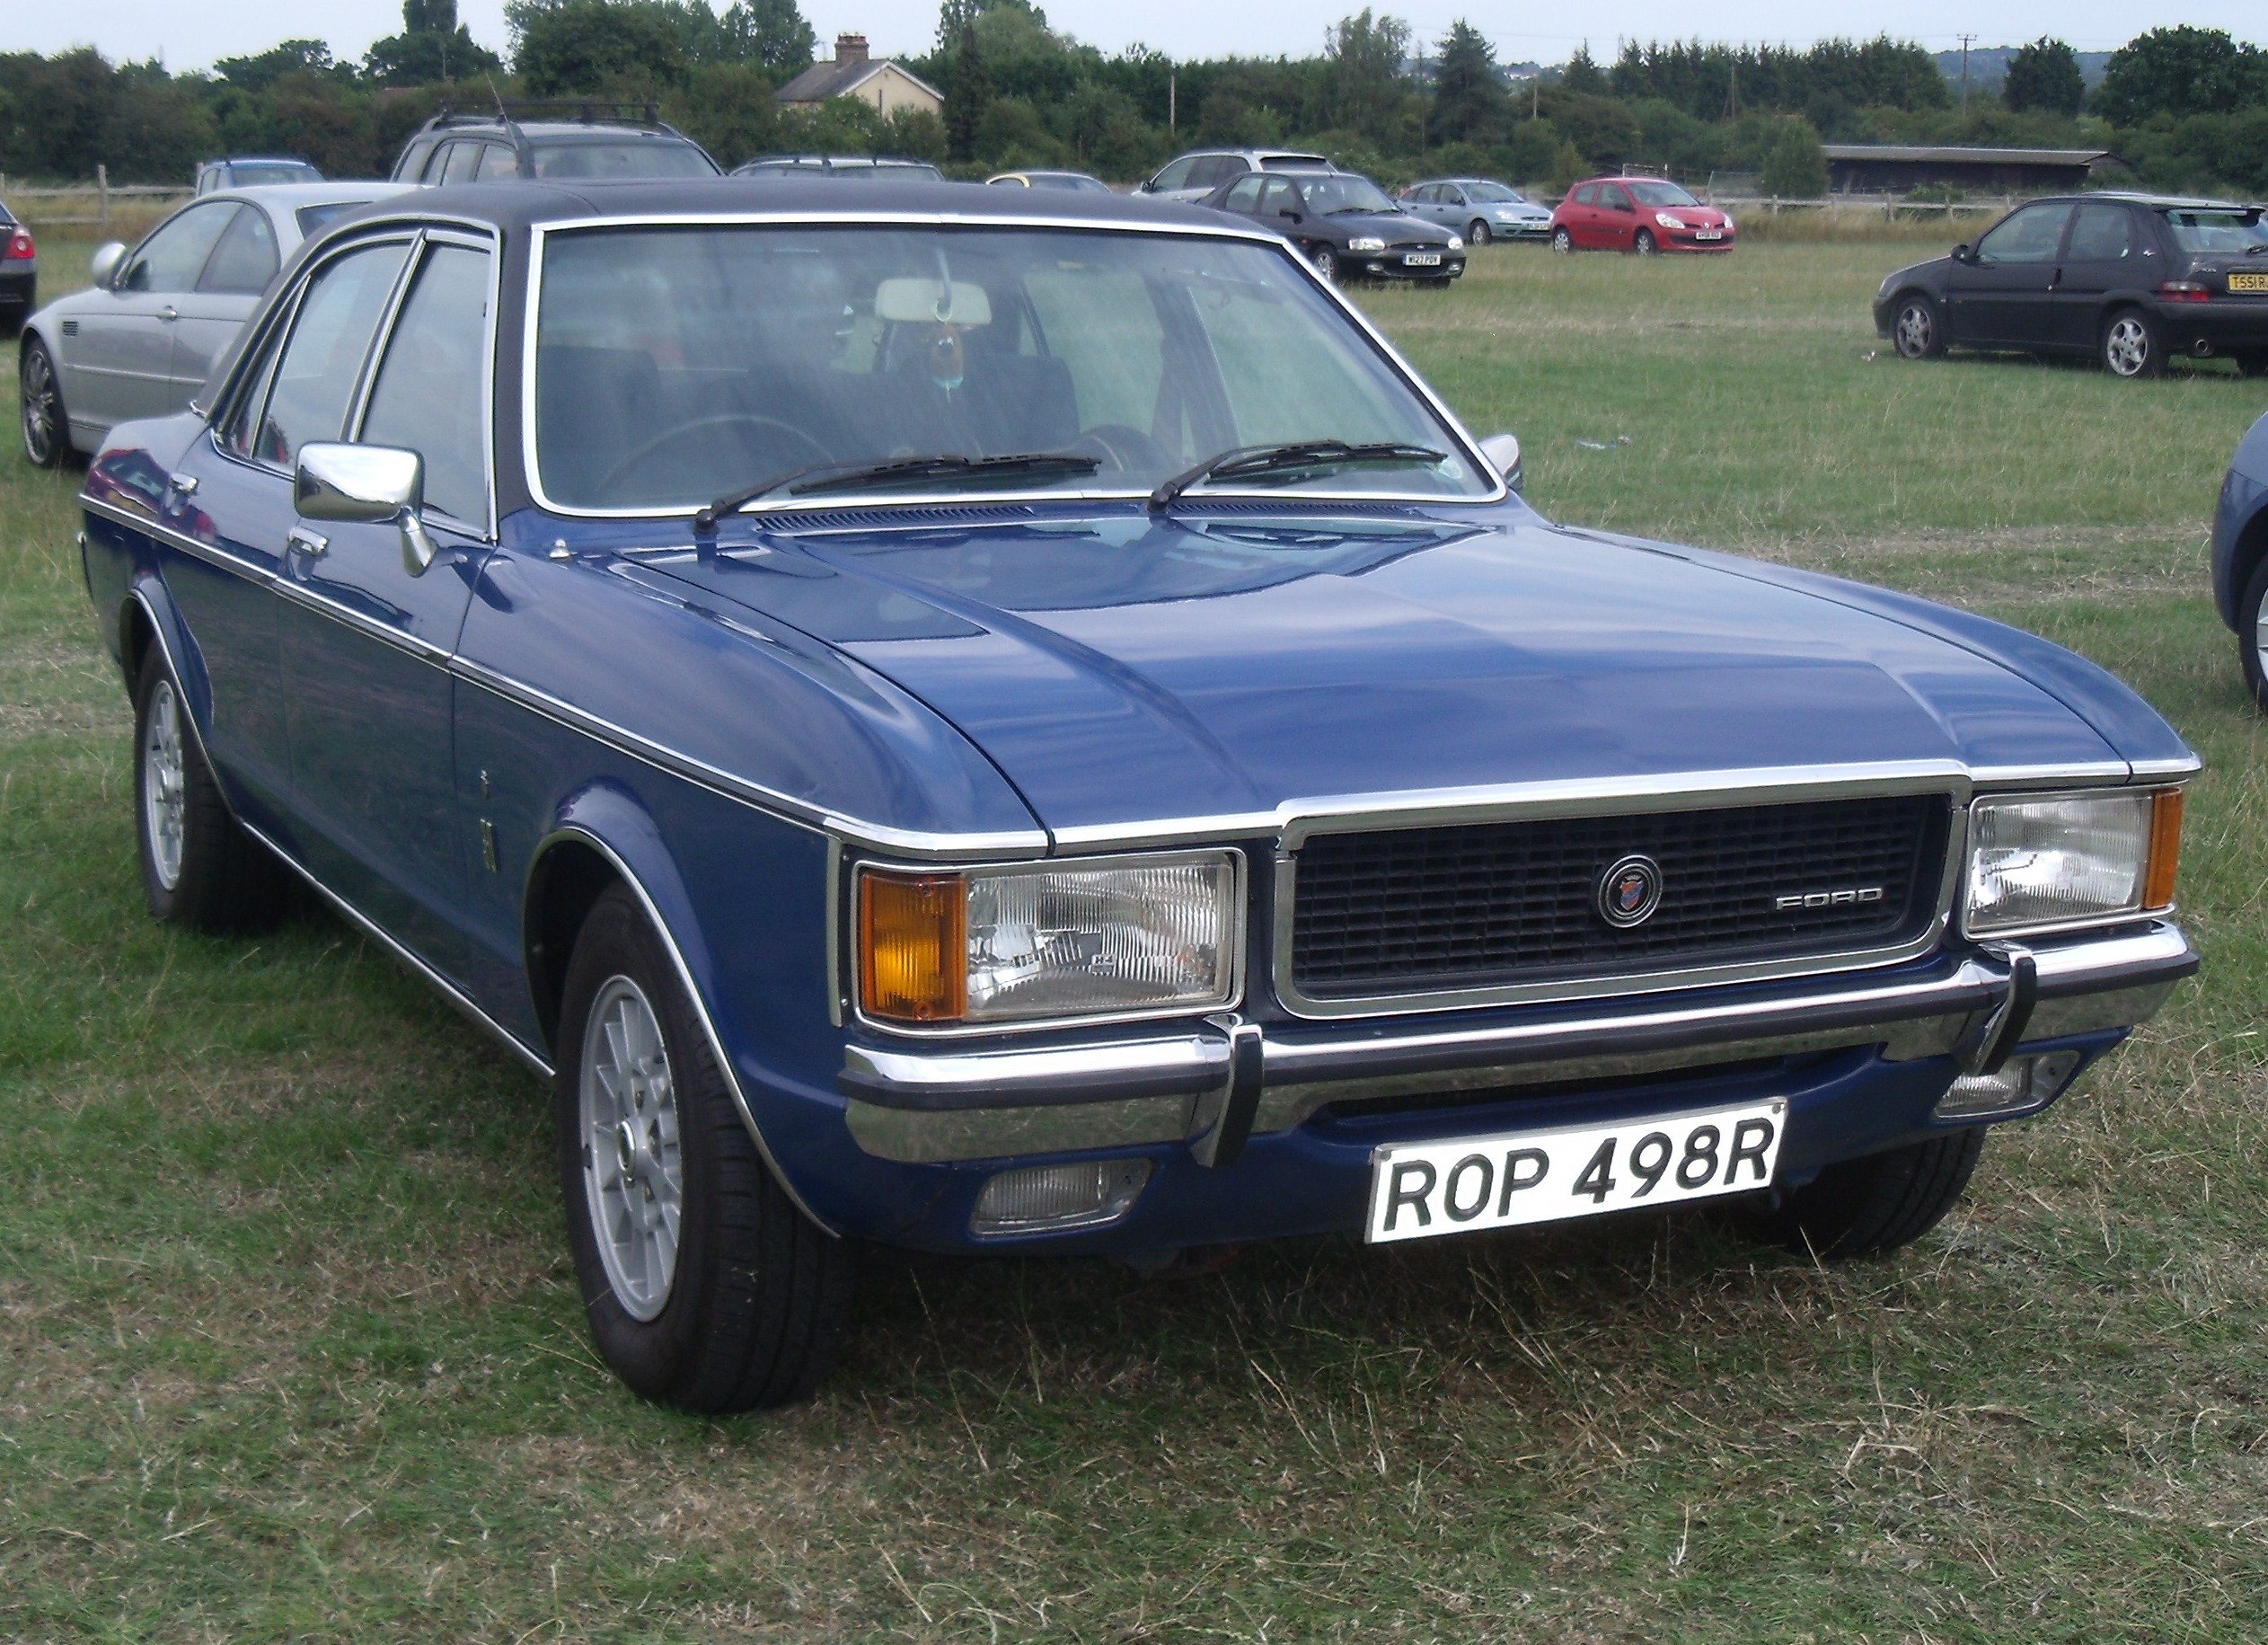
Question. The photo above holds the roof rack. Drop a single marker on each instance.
(583, 110)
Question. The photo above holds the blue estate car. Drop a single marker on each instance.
(1002, 720)
(2240, 556)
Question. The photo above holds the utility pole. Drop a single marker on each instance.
(1171, 110)
(1966, 41)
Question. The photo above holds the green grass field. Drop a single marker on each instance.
(289, 1345)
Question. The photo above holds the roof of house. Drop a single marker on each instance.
(822, 81)
(1948, 154)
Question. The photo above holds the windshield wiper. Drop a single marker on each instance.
(1242, 460)
(817, 477)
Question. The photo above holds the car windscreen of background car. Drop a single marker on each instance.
(674, 365)
(1495, 194)
(1327, 195)
(2217, 231)
(1658, 193)
(645, 157)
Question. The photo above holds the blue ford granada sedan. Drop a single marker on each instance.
(987, 720)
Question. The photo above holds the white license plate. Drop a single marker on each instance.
(1422, 260)
(1419, 1190)
(1708, 233)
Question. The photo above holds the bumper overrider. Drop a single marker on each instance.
(1866, 1058)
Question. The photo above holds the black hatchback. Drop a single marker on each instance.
(1346, 225)
(559, 141)
(2133, 279)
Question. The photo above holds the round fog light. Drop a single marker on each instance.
(1042, 1198)
(2022, 1085)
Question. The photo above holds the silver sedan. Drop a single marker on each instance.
(141, 339)
(1478, 210)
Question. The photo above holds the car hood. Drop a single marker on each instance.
(1121, 670)
(1692, 216)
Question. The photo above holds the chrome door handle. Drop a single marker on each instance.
(313, 544)
(169, 314)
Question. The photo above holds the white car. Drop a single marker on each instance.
(141, 340)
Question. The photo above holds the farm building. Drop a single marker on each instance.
(1894, 168)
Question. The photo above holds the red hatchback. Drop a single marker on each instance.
(1645, 215)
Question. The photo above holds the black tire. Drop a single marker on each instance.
(2251, 636)
(756, 1297)
(47, 430)
(1918, 328)
(1643, 243)
(2252, 364)
(1872, 1207)
(1562, 241)
(1477, 233)
(199, 869)
(1325, 261)
(2132, 346)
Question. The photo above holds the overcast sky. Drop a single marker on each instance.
(191, 33)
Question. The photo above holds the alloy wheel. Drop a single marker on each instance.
(1915, 330)
(633, 1167)
(2126, 346)
(1562, 241)
(164, 785)
(1477, 234)
(1326, 264)
(41, 407)
(1644, 243)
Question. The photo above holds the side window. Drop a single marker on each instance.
(1175, 176)
(172, 259)
(315, 378)
(428, 394)
(2102, 234)
(436, 163)
(497, 160)
(1615, 199)
(1212, 171)
(241, 433)
(244, 260)
(1278, 197)
(1245, 194)
(463, 158)
(1587, 195)
(2033, 235)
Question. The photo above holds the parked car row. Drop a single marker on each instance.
(985, 722)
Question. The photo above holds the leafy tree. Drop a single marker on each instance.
(1470, 100)
(2044, 76)
(1795, 165)
(433, 46)
(256, 74)
(1366, 56)
(1581, 75)
(966, 87)
(2180, 71)
(600, 45)
(728, 109)
(771, 35)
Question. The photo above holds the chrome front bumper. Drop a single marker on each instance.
(1210, 1087)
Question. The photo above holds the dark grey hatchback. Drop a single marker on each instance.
(2133, 279)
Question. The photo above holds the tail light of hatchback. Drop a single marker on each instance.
(19, 244)
(2184, 291)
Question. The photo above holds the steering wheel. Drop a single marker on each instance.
(1122, 447)
(720, 419)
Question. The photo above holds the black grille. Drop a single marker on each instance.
(1485, 905)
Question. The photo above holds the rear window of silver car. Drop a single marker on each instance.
(674, 365)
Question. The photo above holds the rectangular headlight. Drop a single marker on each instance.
(2049, 860)
(1032, 941)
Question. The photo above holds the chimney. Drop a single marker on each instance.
(850, 47)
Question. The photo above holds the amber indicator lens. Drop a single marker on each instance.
(912, 946)
(2165, 848)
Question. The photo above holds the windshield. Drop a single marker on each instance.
(1658, 193)
(247, 174)
(1329, 195)
(677, 365)
(2217, 231)
(645, 157)
(1495, 194)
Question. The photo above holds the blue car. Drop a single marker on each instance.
(988, 721)
(2240, 556)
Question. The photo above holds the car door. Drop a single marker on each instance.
(1244, 195)
(121, 363)
(2102, 254)
(1280, 208)
(243, 261)
(1618, 217)
(1579, 217)
(367, 632)
(2002, 294)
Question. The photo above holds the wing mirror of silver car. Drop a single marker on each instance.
(106, 260)
(373, 485)
(1503, 451)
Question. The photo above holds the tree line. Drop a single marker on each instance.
(2188, 107)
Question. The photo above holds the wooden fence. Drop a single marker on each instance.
(102, 195)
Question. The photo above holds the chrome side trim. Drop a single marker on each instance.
(962, 1105)
(448, 990)
(539, 232)
(725, 1065)
(211, 553)
(1622, 796)
(347, 617)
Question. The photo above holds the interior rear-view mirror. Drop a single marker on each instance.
(917, 301)
(1503, 451)
(106, 260)
(370, 485)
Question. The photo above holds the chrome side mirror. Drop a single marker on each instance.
(106, 260)
(370, 485)
(1503, 451)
